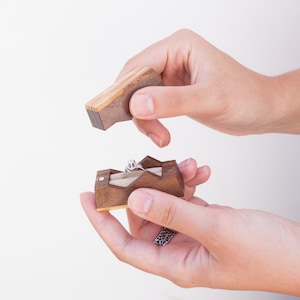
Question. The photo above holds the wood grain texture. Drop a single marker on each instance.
(112, 105)
(110, 196)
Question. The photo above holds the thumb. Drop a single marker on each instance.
(169, 211)
(155, 102)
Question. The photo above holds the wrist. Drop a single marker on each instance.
(278, 269)
(282, 95)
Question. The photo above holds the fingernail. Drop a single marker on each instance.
(141, 105)
(139, 202)
(184, 163)
(204, 169)
(156, 139)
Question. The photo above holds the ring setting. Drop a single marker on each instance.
(132, 165)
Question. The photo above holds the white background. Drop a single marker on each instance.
(55, 56)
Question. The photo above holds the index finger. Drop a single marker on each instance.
(154, 56)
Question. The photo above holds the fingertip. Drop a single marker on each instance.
(205, 171)
(141, 105)
(189, 163)
(87, 200)
(84, 196)
(200, 176)
(158, 133)
(160, 141)
(139, 201)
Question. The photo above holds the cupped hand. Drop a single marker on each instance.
(142, 231)
(216, 246)
(201, 82)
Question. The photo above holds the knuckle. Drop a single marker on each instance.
(168, 215)
(220, 217)
(184, 32)
(129, 63)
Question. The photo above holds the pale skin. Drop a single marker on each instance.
(217, 246)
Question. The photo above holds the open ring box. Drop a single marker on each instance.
(113, 187)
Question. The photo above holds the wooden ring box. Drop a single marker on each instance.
(112, 193)
(112, 187)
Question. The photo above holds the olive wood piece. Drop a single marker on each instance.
(112, 105)
(163, 176)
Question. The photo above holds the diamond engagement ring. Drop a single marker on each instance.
(132, 165)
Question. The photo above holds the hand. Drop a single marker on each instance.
(207, 85)
(216, 247)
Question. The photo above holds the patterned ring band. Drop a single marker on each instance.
(164, 236)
